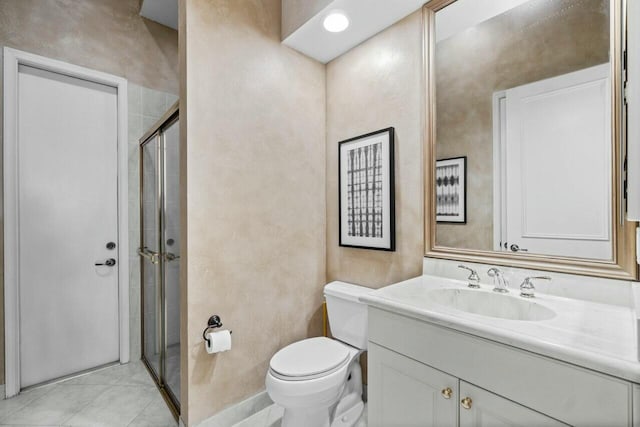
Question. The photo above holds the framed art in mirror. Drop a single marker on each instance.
(451, 194)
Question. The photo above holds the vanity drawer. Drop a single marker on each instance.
(571, 394)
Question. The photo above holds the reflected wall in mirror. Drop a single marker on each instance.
(527, 90)
(525, 96)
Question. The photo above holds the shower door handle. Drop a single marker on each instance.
(150, 255)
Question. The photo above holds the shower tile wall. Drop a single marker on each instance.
(146, 106)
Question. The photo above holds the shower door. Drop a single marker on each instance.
(160, 254)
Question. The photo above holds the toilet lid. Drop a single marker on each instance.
(309, 357)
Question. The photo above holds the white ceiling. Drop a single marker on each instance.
(164, 12)
(367, 17)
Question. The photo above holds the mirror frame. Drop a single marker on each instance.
(624, 264)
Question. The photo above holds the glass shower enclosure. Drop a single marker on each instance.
(160, 253)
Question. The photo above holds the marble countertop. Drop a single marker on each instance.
(596, 336)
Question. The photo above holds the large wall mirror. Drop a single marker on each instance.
(525, 135)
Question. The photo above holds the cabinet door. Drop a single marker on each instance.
(490, 410)
(403, 392)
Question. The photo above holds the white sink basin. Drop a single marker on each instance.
(602, 337)
(490, 304)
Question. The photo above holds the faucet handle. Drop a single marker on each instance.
(473, 279)
(527, 290)
(493, 271)
(501, 284)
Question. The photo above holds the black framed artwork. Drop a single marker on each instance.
(366, 191)
(451, 190)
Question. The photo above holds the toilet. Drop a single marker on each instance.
(318, 381)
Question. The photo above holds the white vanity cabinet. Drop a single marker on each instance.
(485, 409)
(404, 392)
(413, 362)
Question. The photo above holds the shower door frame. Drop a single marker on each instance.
(156, 133)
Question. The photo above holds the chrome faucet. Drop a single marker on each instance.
(473, 281)
(527, 290)
(501, 284)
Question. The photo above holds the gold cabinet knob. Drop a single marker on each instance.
(447, 393)
(466, 403)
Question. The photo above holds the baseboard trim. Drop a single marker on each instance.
(238, 412)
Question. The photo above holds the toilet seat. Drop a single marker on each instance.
(309, 359)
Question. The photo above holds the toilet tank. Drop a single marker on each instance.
(347, 315)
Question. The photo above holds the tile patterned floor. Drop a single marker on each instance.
(117, 396)
(271, 416)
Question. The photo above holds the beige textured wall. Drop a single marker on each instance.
(106, 35)
(537, 40)
(254, 197)
(374, 86)
(296, 12)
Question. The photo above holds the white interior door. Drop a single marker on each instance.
(67, 213)
(558, 203)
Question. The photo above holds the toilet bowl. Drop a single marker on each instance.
(318, 381)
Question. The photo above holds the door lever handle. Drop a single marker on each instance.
(109, 263)
(171, 257)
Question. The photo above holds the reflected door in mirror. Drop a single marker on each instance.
(553, 177)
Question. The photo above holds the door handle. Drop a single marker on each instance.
(516, 248)
(171, 257)
(109, 263)
(150, 255)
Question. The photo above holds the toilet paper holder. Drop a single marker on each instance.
(214, 322)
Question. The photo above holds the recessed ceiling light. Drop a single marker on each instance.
(336, 22)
